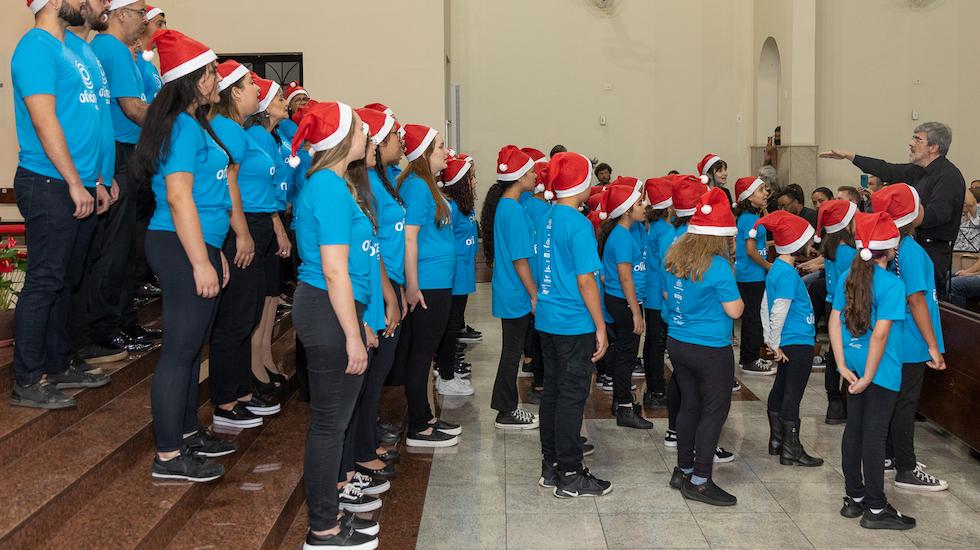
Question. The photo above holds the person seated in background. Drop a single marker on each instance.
(819, 196)
(603, 173)
(768, 174)
(791, 200)
(968, 239)
(965, 285)
(851, 193)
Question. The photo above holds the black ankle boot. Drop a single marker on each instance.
(836, 411)
(792, 452)
(775, 433)
(629, 417)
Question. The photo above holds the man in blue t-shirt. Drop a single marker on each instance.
(56, 110)
(156, 20)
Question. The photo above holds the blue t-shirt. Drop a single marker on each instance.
(536, 209)
(783, 282)
(108, 140)
(513, 239)
(568, 249)
(327, 214)
(916, 270)
(666, 241)
(525, 196)
(152, 81)
(654, 259)
(280, 184)
(194, 151)
(287, 129)
(464, 233)
(43, 65)
(391, 228)
(621, 248)
(832, 269)
(256, 171)
(374, 310)
(125, 80)
(887, 303)
(693, 309)
(436, 249)
(746, 270)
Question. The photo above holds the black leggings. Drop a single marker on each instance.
(514, 332)
(704, 375)
(421, 333)
(239, 311)
(863, 444)
(332, 396)
(901, 434)
(673, 401)
(791, 378)
(186, 320)
(627, 345)
(446, 358)
(654, 347)
(751, 338)
(532, 350)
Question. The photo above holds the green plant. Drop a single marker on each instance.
(13, 267)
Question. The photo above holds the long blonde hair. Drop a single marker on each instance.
(323, 160)
(421, 168)
(690, 257)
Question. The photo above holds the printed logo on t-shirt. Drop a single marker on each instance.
(86, 96)
(810, 319)
(470, 241)
(400, 226)
(272, 172)
(368, 246)
(640, 267)
(222, 174)
(546, 280)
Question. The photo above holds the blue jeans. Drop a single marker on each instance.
(58, 245)
(963, 288)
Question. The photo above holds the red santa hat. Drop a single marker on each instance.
(116, 4)
(180, 55)
(789, 231)
(36, 5)
(595, 198)
(301, 112)
(659, 193)
(712, 216)
(706, 163)
(618, 199)
(380, 107)
(566, 175)
(456, 168)
(324, 125)
(294, 89)
(874, 232)
(593, 217)
(833, 216)
(417, 138)
(152, 12)
(537, 156)
(379, 124)
(512, 163)
(685, 192)
(899, 200)
(230, 72)
(628, 181)
(267, 91)
(744, 188)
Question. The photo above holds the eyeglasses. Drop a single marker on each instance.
(919, 139)
(140, 12)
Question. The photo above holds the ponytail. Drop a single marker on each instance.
(382, 171)
(487, 216)
(605, 228)
(832, 240)
(857, 292)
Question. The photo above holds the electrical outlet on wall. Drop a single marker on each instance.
(915, 115)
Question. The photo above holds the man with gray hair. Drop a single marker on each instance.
(941, 190)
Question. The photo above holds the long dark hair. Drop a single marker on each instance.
(154, 143)
(382, 171)
(262, 119)
(420, 167)
(605, 228)
(718, 165)
(462, 193)
(857, 292)
(681, 220)
(488, 214)
(831, 241)
(657, 214)
(746, 206)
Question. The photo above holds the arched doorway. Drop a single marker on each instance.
(768, 88)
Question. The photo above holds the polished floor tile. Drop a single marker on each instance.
(653, 530)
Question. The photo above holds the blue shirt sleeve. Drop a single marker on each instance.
(723, 280)
(914, 270)
(34, 69)
(417, 202)
(890, 304)
(186, 140)
(233, 136)
(520, 245)
(333, 215)
(620, 249)
(585, 253)
(120, 67)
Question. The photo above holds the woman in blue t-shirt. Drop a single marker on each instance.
(750, 271)
(788, 329)
(702, 300)
(187, 167)
(655, 342)
(624, 270)
(430, 264)
(865, 329)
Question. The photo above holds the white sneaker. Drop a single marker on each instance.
(456, 386)
(670, 439)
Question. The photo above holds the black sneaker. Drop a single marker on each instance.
(722, 456)
(370, 485)
(516, 420)
(40, 395)
(581, 484)
(469, 335)
(100, 355)
(149, 289)
(435, 439)
(736, 386)
(534, 395)
(889, 518)
(759, 366)
(708, 493)
(549, 475)
(262, 406)
(463, 369)
(918, 480)
(447, 427)
(352, 499)
(836, 412)
(528, 367)
(654, 400)
(889, 464)
(388, 470)
(73, 378)
(628, 417)
(388, 426)
(638, 370)
(187, 466)
(204, 443)
(587, 448)
(239, 417)
(359, 524)
(852, 508)
(349, 538)
(670, 439)
(678, 478)
(80, 364)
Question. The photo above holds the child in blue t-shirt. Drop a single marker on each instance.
(655, 341)
(537, 207)
(751, 265)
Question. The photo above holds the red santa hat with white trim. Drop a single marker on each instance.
(230, 72)
(659, 192)
(566, 175)
(116, 4)
(712, 215)
(834, 215)
(789, 231)
(874, 232)
(294, 89)
(324, 125)
(540, 160)
(151, 12)
(512, 163)
(417, 138)
(387, 110)
(180, 55)
(685, 192)
(379, 124)
(456, 169)
(899, 200)
(744, 187)
(36, 5)
(628, 181)
(267, 91)
(706, 163)
(618, 199)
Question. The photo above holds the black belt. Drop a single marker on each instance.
(926, 240)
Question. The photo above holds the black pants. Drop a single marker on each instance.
(627, 346)
(673, 401)
(654, 347)
(901, 434)
(791, 378)
(139, 271)
(287, 266)
(58, 245)
(421, 333)
(446, 358)
(568, 371)
(239, 311)
(941, 254)
(532, 350)
(187, 318)
(607, 365)
(751, 337)
(704, 376)
(513, 334)
(333, 393)
(863, 444)
(832, 378)
(817, 291)
(366, 412)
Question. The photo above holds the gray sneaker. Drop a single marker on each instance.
(40, 395)
(73, 378)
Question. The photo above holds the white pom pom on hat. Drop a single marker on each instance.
(549, 195)
(816, 238)
(293, 161)
(706, 209)
(503, 167)
(865, 254)
(704, 179)
(538, 188)
(603, 215)
(753, 233)
(734, 205)
(148, 55)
